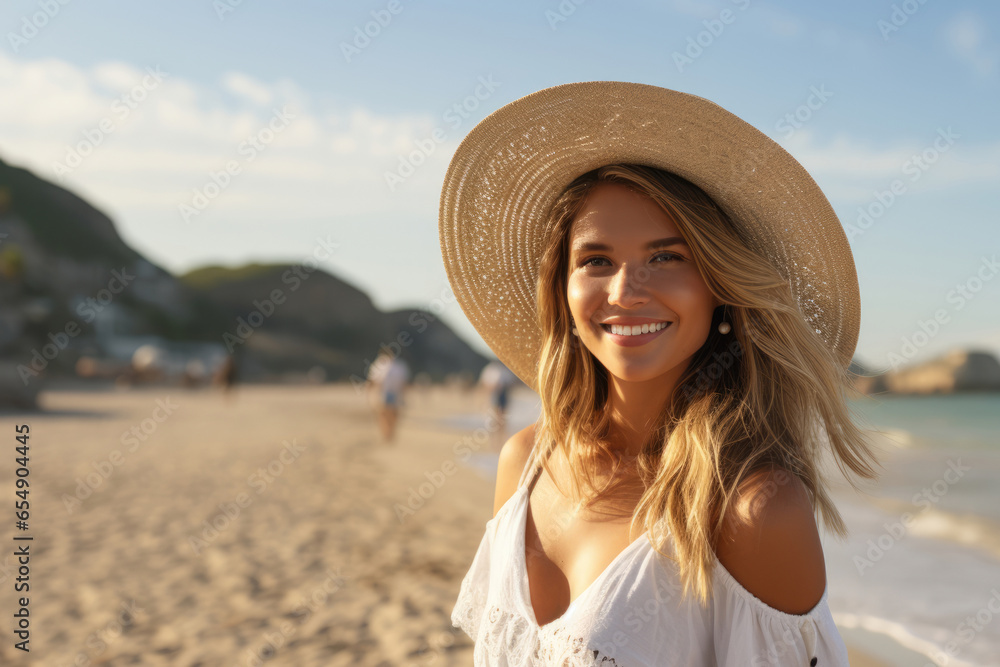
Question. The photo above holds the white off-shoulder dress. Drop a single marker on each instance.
(632, 615)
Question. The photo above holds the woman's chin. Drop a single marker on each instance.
(635, 373)
(640, 370)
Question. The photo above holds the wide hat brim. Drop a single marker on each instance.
(510, 168)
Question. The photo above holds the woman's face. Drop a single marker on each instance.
(629, 266)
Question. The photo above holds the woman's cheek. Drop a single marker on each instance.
(577, 295)
(687, 288)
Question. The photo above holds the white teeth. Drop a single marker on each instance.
(626, 330)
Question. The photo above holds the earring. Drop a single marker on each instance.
(724, 327)
(575, 332)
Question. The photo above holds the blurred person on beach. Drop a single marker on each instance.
(388, 376)
(497, 380)
(227, 374)
(691, 352)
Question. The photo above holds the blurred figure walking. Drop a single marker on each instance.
(389, 375)
(497, 379)
(227, 374)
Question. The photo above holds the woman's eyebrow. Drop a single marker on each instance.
(658, 243)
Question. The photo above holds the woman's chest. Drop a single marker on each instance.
(567, 551)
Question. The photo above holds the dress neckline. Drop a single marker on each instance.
(520, 548)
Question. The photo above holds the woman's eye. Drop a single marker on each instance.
(669, 255)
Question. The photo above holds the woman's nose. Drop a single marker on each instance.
(626, 289)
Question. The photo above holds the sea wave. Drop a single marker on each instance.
(895, 437)
(969, 530)
(900, 634)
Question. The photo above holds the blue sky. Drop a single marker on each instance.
(889, 90)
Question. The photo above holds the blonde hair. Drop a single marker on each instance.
(770, 393)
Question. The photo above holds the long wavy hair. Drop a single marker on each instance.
(770, 393)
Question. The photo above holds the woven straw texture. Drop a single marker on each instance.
(510, 168)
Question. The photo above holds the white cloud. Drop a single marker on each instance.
(344, 144)
(967, 40)
(248, 88)
(49, 93)
(117, 76)
(851, 171)
(322, 163)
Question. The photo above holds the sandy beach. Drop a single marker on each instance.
(182, 527)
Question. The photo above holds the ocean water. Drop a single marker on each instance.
(922, 561)
(523, 409)
(920, 567)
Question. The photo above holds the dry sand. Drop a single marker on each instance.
(306, 556)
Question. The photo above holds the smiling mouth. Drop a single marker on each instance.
(635, 330)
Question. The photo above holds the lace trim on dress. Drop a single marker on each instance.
(468, 608)
(512, 636)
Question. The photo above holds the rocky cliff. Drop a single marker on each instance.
(956, 371)
(70, 286)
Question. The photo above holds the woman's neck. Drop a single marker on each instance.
(635, 410)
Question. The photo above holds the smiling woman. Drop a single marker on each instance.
(690, 352)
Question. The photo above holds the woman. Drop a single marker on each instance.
(682, 297)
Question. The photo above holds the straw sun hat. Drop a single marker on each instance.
(511, 167)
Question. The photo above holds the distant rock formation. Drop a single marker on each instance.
(56, 251)
(323, 320)
(64, 269)
(956, 371)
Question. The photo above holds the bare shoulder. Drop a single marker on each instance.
(513, 457)
(770, 542)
